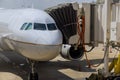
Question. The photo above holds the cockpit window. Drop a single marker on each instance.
(23, 26)
(29, 26)
(51, 26)
(39, 26)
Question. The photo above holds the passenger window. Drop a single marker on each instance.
(23, 26)
(51, 26)
(39, 26)
(29, 26)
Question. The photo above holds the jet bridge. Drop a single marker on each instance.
(75, 23)
(67, 16)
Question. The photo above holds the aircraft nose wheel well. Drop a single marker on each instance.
(33, 75)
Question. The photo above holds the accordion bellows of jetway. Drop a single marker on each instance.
(65, 16)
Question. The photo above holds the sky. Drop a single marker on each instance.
(39, 4)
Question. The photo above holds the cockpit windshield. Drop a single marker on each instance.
(29, 26)
(39, 26)
(42, 26)
(26, 26)
(51, 26)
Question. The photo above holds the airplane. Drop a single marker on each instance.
(34, 34)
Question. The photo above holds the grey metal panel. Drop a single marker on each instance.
(101, 37)
(96, 26)
(87, 7)
(92, 23)
(118, 32)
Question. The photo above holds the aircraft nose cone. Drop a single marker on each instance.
(54, 38)
(51, 38)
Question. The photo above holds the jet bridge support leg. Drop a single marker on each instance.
(107, 25)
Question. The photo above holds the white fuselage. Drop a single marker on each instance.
(31, 32)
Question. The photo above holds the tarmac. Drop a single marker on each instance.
(14, 66)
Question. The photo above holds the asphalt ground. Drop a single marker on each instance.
(14, 66)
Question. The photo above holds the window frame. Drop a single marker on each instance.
(51, 29)
(23, 26)
(26, 26)
(29, 25)
(45, 26)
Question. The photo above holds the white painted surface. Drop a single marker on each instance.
(113, 31)
(40, 45)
